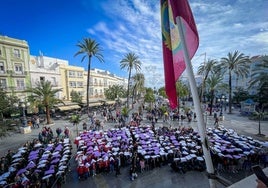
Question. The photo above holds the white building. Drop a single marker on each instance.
(44, 68)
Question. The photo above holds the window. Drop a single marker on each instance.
(95, 81)
(18, 69)
(72, 84)
(96, 92)
(79, 84)
(53, 81)
(71, 74)
(90, 81)
(20, 84)
(2, 67)
(80, 74)
(42, 78)
(1, 52)
(17, 53)
(90, 91)
(105, 82)
(3, 83)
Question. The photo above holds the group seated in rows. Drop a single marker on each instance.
(98, 150)
(36, 164)
(180, 147)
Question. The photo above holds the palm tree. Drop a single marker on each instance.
(213, 82)
(259, 77)
(130, 61)
(89, 48)
(149, 97)
(75, 119)
(139, 83)
(125, 113)
(204, 70)
(234, 64)
(45, 96)
(181, 90)
(114, 92)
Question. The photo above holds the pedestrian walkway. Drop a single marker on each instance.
(156, 178)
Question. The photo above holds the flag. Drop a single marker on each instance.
(173, 58)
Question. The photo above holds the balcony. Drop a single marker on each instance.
(20, 88)
(2, 72)
(4, 87)
(17, 55)
(55, 84)
(19, 73)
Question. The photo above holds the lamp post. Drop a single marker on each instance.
(222, 100)
(23, 104)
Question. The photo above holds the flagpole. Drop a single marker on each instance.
(198, 109)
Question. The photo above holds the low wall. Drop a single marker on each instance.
(248, 182)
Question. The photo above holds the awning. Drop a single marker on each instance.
(110, 102)
(71, 107)
(94, 104)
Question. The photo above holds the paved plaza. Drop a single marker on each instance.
(159, 177)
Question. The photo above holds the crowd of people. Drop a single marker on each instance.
(134, 145)
(141, 148)
(36, 164)
(232, 152)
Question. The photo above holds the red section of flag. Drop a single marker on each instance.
(174, 64)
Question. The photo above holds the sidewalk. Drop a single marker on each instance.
(158, 178)
(16, 140)
(242, 125)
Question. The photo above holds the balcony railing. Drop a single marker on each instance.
(2, 72)
(20, 88)
(55, 84)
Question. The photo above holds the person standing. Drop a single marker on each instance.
(37, 121)
(117, 165)
(216, 123)
(66, 132)
(84, 126)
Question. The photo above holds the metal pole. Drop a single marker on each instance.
(259, 123)
(221, 107)
(198, 109)
(24, 116)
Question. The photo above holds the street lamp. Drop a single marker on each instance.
(222, 100)
(23, 104)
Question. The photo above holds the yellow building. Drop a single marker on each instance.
(72, 79)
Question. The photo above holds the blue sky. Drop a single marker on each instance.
(121, 26)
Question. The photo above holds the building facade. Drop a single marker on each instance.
(99, 81)
(244, 83)
(19, 70)
(14, 66)
(72, 79)
(44, 68)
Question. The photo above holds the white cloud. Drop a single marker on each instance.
(223, 26)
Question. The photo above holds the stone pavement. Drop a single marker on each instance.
(156, 178)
